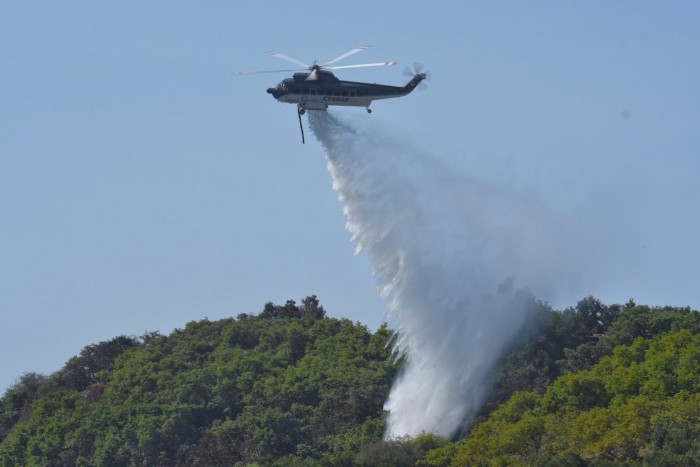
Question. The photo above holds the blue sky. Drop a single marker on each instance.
(143, 186)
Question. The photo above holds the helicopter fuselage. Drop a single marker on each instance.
(320, 89)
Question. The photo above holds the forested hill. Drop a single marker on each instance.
(590, 385)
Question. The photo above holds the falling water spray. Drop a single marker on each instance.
(447, 252)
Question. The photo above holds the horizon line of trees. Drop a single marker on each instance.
(588, 385)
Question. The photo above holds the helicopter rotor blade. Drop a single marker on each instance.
(241, 73)
(357, 49)
(362, 65)
(288, 58)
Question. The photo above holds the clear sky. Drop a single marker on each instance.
(143, 186)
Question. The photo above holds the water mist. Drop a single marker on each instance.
(447, 252)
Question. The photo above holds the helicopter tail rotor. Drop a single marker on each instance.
(418, 70)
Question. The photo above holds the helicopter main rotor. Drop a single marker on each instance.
(313, 69)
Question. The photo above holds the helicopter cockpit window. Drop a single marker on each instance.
(283, 87)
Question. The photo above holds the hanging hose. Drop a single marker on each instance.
(301, 127)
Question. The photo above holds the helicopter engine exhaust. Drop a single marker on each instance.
(446, 251)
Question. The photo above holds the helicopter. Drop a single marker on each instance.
(315, 87)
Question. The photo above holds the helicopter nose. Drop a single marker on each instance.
(270, 90)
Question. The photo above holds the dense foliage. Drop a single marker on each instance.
(590, 385)
(642, 402)
(289, 385)
(630, 396)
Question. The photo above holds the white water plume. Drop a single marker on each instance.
(446, 251)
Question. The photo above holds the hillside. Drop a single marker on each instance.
(291, 386)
